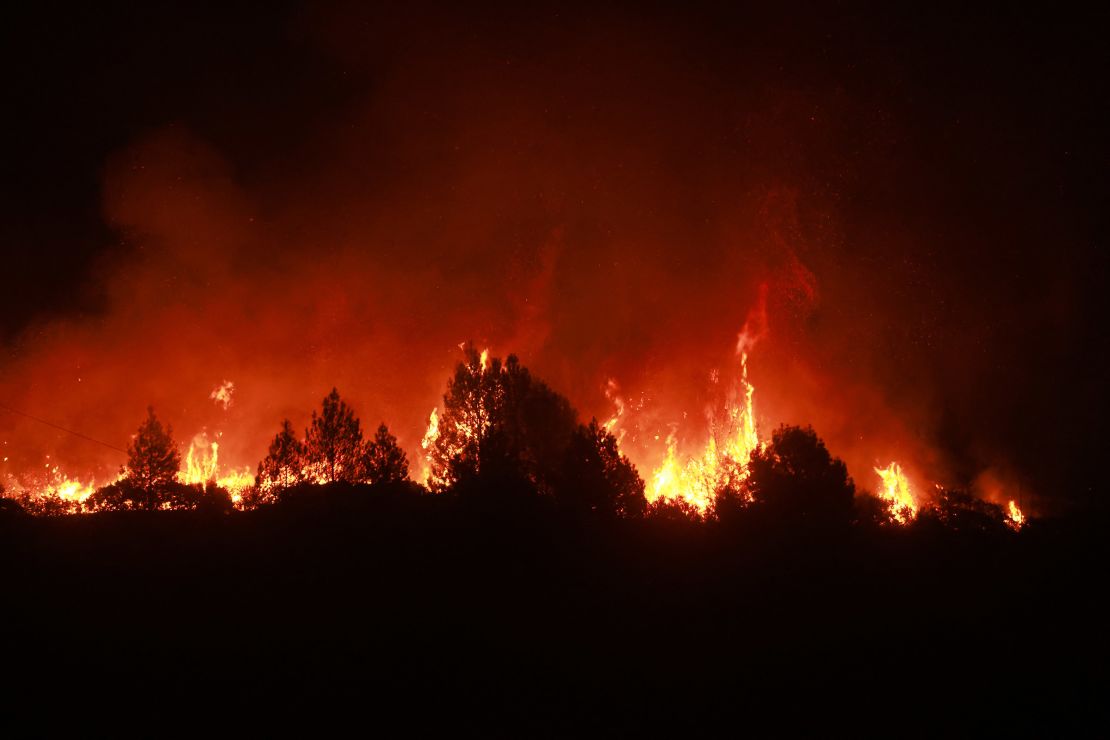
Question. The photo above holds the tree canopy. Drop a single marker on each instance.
(333, 442)
(283, 465)
(795, 477)
(383, 459)
(149, 478)
(499, 421)
(596, 477)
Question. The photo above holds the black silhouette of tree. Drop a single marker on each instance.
(152, 457)
(499, 422)
(149, 478)
(283, 465)
(384, 461)
(333, 443)
(795, 477)
(597, 477)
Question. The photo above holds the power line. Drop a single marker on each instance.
(6, 407)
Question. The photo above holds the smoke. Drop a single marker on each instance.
(584, 192)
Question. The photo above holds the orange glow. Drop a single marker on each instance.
(1016, 519)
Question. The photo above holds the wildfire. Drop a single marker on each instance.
(1016, 517)
(698, 479)
(896, 490)
(471, 428)
(202, 466)
(430, 437)
(52, 490)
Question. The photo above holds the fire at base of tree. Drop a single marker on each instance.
(502, 429)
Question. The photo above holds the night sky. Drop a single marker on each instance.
(293, 196)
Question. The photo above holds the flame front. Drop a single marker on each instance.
(1016, 517)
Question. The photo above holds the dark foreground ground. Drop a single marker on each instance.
(373, 612)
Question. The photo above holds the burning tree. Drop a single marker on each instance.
(383, 460)
(333, 443)
(497, 421)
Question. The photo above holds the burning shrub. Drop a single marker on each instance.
(963, 512)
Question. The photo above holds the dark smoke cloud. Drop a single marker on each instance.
(605, 195)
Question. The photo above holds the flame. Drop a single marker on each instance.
(429, 439)
(73, 490)
(896, 490)
(698, 479)
(202, 466)
(201, 462)
(484, 359)
(53, 489)
(1016, 517)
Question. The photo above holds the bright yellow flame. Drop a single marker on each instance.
(484, 359)
(698, 479)
(429, 440)
(202, 466)
(1017, 518)
(201, 461)
(896, 490)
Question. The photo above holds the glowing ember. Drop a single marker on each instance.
(895, 489)
(1016, 518)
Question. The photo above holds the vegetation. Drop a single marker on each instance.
(534, 576)
(503, 439)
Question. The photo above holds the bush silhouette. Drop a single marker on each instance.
(795, 478)
(959, 510)
(597, 477)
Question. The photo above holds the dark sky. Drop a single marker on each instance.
(601, 188)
